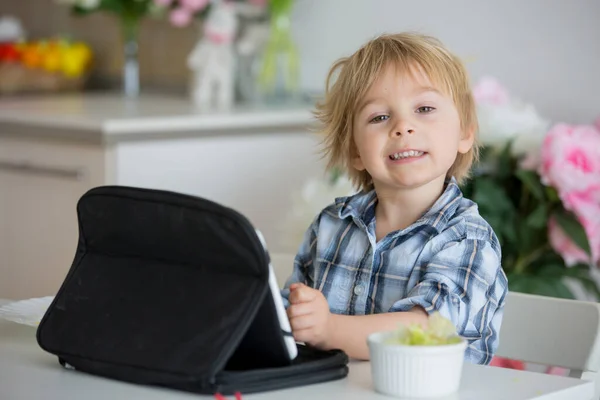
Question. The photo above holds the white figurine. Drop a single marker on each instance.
(212, 60)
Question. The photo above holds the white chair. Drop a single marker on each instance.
(555, 332)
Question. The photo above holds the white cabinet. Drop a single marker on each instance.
(54, 149)
(42, 180)
(40, 183)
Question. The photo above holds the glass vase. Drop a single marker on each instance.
(278, 72)
(131, 69)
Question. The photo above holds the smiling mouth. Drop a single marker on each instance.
(406, 154)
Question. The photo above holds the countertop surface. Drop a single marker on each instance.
(107, 117)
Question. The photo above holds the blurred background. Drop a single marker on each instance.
(546, 51)
(214, 99)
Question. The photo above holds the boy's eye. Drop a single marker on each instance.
(379, 118)
(425, 109)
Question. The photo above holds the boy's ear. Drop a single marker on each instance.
(357, 162)
(466, 142)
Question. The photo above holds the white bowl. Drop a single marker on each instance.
(418, 372)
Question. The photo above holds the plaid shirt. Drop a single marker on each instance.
(447, 261)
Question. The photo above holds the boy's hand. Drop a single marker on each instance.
(309, 316)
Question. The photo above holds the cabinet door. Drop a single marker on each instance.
(40, 184)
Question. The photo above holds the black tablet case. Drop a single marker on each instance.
(172, 290)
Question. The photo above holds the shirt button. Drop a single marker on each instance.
(358, 289)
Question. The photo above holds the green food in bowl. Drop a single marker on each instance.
(439, 331)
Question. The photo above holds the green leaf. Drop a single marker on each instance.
(492, 196)
(532, 181)
(553, 269)
(552, 194)
(485, 153)
(561, 290)
(538, 218)
(590, 285)
(509, 230)
(527, 239)
(79, 11)
(581, 273)
(550, 286)
(573, 228)
(506, 161)
(517, 283)
(497, 208)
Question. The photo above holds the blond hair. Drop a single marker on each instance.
(356, 74)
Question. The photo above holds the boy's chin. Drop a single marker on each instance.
(408, 183)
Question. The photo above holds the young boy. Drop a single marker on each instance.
(400, 121)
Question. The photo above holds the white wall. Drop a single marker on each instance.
(545, 51)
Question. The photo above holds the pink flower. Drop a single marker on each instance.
(571, 158)
(163, 3)
(180, 17)
(585, 204)
(489, 91)
(564, 246)
(194, 5)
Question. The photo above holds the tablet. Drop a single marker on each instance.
(268, 341)
(284, 323)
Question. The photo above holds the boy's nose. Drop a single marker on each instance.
(401, 132)
(403, 126)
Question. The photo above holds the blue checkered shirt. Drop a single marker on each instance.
(447, 261)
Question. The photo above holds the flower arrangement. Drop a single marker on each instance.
(182, 12)
(540, 191)
(129, 12)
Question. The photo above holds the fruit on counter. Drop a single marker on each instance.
(9, 52)
(439, 331)
(31, 55)
(76, 59)
(52, 60)
(71, 58)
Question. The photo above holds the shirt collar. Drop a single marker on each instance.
(361, 206)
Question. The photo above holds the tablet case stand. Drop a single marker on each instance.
(172, 290)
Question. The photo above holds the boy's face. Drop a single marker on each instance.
(407, 133)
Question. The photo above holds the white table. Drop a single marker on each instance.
(29, 373)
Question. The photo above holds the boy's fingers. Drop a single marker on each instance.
(300, 323)
(302, 294)
(300, 309)
(303, 335)
(296, 285)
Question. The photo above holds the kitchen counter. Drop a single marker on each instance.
(106, 118)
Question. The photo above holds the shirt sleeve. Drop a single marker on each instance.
(466, 284)
(302, 261)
